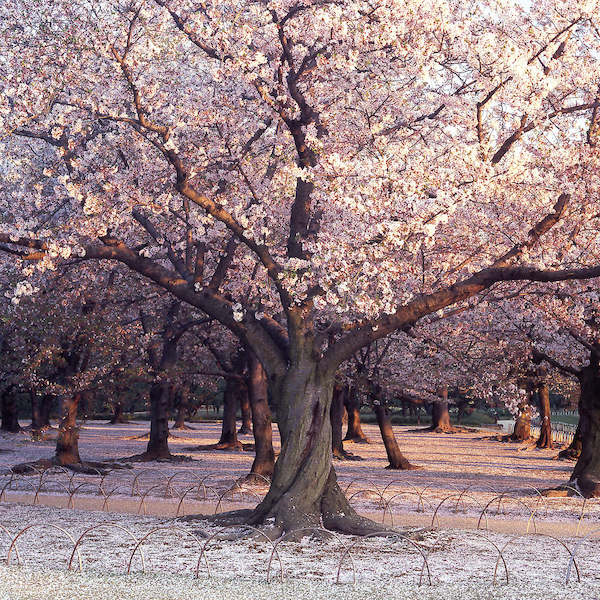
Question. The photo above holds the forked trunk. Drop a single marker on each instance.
(586, 473)
(264, 459)
(522, 431)
(158, 446)
(246, 426)
(545, 439)
(304, 490)
(228, 437)
(396, 458)
(354, 433)
(67, 443)
(10, 421)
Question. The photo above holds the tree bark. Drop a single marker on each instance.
(522, 431)
(36, 415)
(545, 439)
(158, 446)
(337, 417)
(228, 439)
(396, 458)
(10, 421)
(586, 474)
(264, 459)
(246, 426)
(67, 444)
(440, 417)
(304, 490)
(354, 433)
(182, 407)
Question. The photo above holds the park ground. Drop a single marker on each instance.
(476, 523)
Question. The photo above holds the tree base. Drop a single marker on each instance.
(118, 422)
(569, 454)
(145, 437)
(358, 440)
(221, 446)
(405, 467)
(243, 430)
(156, 456)
(85, 467)
(183, 427)
(341, 454)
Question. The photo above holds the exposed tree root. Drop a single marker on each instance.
(155, 456)
(85, 467)
(357, 440)
(569, 454)
(341, 454)
(227, 446)
(405, 466)
(183, 427)
(451, 429)
(145, 437)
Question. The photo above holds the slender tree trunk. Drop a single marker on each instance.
(36, 415)
(182, 407)
(522, 431)
(158, 446)
(264, 459)
(67, 443)
(229, 438)
(354, 433)
(545, 439)
(395, 456)
(10, 421)
(118, 414)
(246, 427)
(586, 473)
(337, 417)
(46, 409)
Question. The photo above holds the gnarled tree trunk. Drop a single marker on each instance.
(264, 459)
(354, 433)
(10, 421)
(304, 490)
(586, 474)
(394, 455)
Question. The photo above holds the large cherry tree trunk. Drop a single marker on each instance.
(440, 417)
(264, 459)
(304, 490)
(395, 457)
(586, 473)
(10, 421)
(545, 439)
(354, 433)
(67, 443)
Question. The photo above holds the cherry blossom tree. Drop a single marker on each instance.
(314, 175)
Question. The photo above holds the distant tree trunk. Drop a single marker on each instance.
(354, 433)
(182, 407)
(336, 415)
(545, 439)
(117, 417)
(158, 446)
(67, 444)
(440, 417)
(46, 409)
(395, 456)
(36, 415)
(10, 421)
(246, 427)
(264, 459)
(586, 474)
(522, 431)
(228, 439)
